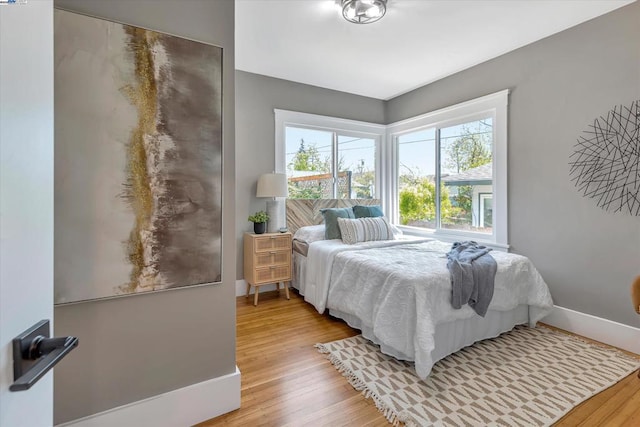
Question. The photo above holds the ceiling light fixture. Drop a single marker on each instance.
(363, 11)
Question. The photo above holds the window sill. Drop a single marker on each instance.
(449, 236)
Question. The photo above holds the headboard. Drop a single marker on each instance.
(302, 212)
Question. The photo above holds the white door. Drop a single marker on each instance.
(26, 197)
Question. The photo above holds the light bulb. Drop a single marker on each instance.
(373, 11)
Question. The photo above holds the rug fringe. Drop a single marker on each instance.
(396, 419)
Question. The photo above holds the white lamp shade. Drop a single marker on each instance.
(272, 185)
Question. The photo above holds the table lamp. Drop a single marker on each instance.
(274, 185)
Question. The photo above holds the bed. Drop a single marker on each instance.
(398, 292)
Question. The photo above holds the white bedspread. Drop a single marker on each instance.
(315, 286)
(401, 290)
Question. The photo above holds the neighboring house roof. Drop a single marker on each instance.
(482, 175)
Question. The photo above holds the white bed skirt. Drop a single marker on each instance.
(299, 270)
(452, 336)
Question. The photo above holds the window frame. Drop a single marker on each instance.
(340, 127)
(495, 106)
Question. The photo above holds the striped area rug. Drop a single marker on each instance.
(526, 377)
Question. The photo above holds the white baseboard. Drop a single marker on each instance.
(183, 407)
(598, 329)
(241, 288)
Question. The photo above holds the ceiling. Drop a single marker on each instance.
(415, 43)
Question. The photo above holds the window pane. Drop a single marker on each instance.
(486, 215)
(416, 178)
(356, 167)
(467, 176)
(309, 163)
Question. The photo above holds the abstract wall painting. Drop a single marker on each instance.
(138, 158)
(605, 164)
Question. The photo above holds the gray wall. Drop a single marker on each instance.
(256, 98)
(136, 347)
(559, 86)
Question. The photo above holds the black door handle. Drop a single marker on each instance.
(34, 354)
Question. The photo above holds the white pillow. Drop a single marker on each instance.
(309, 234)
(396, 231)
(365, 229)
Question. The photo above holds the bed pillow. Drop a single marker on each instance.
(396, 231)
(364, 229)
(310, 233)
(331, 216)
(360, 211)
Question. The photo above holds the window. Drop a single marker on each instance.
(465, 172)
(416, 178)
(441, 173)
(449, 170)
(326, 158)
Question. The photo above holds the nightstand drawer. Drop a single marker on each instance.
(272, 242)
(264, 259)
(275, 273)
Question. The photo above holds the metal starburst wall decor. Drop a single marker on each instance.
(605, 164)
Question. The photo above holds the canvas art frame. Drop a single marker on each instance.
(138, 160)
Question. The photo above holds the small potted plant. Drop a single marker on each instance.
(259, 220)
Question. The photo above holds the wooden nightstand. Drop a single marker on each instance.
(267, 259)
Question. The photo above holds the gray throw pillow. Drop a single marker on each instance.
(331, 215)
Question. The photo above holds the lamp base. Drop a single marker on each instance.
(277, 216)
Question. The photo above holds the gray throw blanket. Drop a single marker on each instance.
(473, 273)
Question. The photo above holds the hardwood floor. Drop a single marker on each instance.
(286, 382)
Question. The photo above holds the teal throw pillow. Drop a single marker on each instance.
(331, 215)
(367, 211)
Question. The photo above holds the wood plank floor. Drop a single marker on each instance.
(286, 382)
